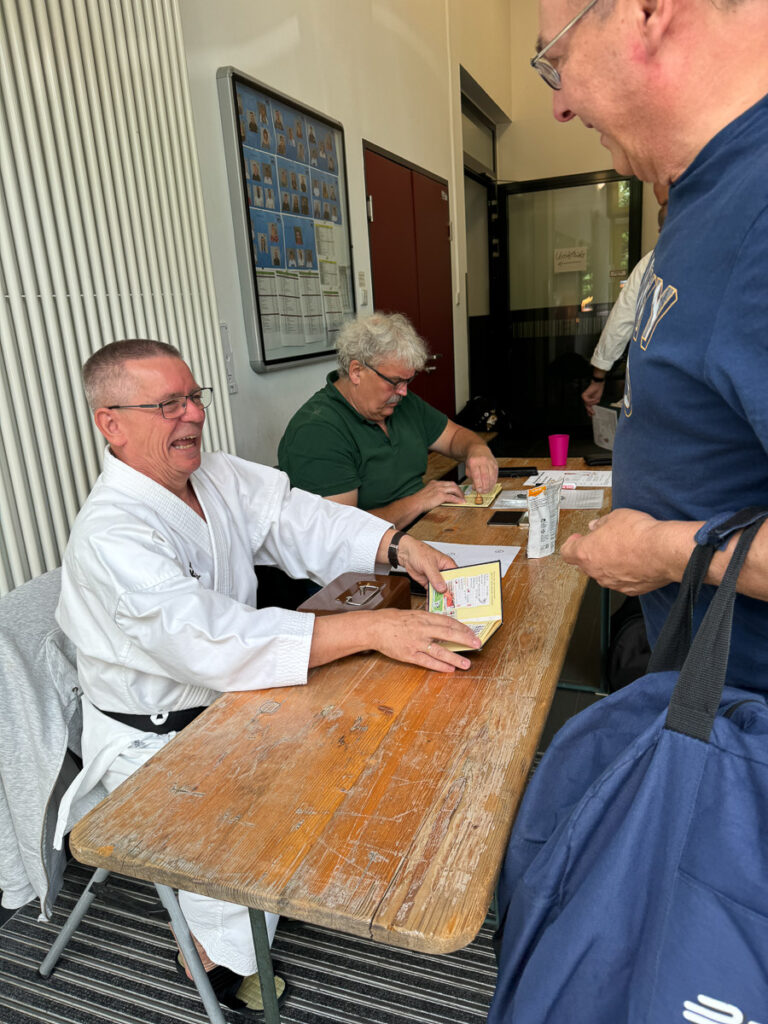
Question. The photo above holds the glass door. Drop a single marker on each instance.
(571, 242)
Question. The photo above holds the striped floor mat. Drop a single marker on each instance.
(118, 969)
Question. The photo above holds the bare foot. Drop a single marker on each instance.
(206, 961)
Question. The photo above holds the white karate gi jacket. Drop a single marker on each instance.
(162, 609)
(162, 605)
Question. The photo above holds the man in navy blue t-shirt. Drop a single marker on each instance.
(678, 90)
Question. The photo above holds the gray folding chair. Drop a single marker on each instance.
(40, 730)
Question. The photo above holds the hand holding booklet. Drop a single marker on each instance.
(474, 500)
(473, 597)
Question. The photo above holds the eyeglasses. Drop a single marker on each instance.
(394, 382)
(549, 73)
(173, 408)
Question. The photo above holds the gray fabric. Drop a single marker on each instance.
(40, 718)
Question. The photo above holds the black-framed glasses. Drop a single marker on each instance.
(394, 382)
(549, 73)
(173, 408)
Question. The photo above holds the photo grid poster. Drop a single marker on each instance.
(299, 242)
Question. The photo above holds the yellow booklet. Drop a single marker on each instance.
(473, 597)
(471, 496)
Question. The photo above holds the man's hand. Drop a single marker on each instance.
(482, 468)
(592, 395)
(424, 563)
(403, 635)
(627, 551)
(413, 637)
(403, 511)
(438, 491)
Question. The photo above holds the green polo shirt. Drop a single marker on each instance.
(329, 448)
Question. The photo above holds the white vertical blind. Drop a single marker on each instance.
(102, 237)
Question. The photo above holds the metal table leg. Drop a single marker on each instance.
(192, 957)
(264, 963)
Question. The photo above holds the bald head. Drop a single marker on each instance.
(107, 375)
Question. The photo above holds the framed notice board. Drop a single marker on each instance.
(288, 187)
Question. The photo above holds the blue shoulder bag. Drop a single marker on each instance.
(635, 885)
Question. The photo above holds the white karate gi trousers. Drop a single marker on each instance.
(222, 929)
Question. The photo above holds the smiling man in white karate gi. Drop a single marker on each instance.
(159, 592)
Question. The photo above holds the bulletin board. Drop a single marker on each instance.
(287, 179)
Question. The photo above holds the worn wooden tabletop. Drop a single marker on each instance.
(377, 799)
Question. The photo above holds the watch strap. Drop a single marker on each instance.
(392, 550)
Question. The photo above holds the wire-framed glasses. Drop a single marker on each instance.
(539, 63)
(173, 408)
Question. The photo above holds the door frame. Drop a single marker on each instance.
(497, 276)
(566, 181)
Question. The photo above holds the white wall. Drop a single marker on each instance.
(388, 70)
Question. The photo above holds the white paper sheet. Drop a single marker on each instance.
(568, 499)
(577, 477)
(476, 554)
(604, 426)
(581, 499)
(511, 499)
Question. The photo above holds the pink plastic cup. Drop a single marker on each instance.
(558, 450)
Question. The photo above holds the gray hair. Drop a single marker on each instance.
(376, 338)
(105, 379)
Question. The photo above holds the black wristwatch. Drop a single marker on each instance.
(392, 550)
(598, 380)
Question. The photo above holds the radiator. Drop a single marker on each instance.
(102, 236)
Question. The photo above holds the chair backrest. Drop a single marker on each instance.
(33, 650)
(40, 718)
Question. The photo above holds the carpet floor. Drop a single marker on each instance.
(118, 969)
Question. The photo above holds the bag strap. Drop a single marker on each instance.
(696, 697)
(674, 642)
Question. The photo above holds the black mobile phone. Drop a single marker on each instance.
(599, 460)
(517, 470)
(505, 518)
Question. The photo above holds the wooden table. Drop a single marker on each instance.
(376, 800)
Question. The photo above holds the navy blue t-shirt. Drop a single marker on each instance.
(693, 437)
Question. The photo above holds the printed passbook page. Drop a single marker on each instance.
(473, 597)
(471, 496)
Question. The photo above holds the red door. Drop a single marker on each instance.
(409, 233)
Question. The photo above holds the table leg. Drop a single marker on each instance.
(264, 964)
(192, 957)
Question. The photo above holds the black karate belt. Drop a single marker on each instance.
(175, 720)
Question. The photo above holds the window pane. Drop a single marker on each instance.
(567, 245)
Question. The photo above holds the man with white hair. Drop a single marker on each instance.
(678, 90)
(364, 438)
